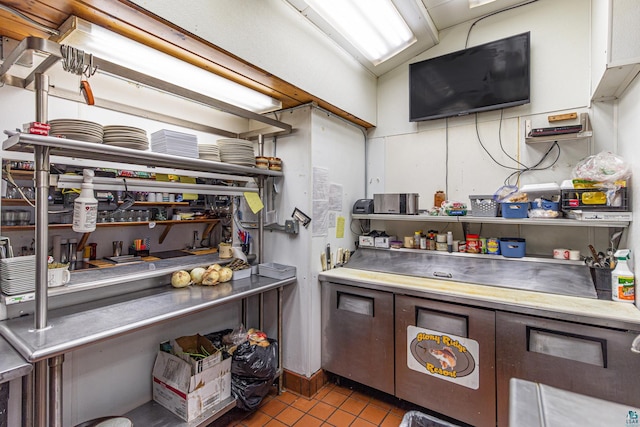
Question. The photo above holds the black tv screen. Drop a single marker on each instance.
(486, 77)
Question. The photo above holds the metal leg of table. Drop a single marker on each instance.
(40, 394)
(27, 400)
(55, 391)
(280, 365)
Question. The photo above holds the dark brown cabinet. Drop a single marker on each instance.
(438, 335)
(357, 335)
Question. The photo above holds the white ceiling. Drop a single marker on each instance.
(426, 19)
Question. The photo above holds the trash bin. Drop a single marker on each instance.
(418, 419)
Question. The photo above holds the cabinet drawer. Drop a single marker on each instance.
(432, 335)
(357, 335)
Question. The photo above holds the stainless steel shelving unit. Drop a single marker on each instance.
(563, 222)
(45, 392)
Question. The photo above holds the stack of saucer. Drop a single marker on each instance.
(209, 151)
(126, 137)
(237, 152)
(17, 274)
(175, 143)
(80, 130)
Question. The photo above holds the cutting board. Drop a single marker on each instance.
(202, 251)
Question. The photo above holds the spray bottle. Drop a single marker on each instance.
(622, 278)
(85, 207)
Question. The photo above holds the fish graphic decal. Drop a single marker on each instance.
(445, 356)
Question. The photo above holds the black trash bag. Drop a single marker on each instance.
(249, 392)
(253, 370)
(254, 361)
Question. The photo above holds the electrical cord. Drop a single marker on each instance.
(466, 43)
(518, 171)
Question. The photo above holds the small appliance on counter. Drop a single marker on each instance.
(363, 206)
(396, 203)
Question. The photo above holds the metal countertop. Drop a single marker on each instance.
(76, 326)
(531, 274)
(12, 365)
(539, 405)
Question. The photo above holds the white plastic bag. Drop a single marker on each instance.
(602, 167)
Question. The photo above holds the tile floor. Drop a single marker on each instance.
(333, 406)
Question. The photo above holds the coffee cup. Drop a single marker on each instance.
(58, 276)
(225, 251)
(561, 253)
(574, 255)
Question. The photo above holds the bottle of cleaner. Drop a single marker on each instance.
(85, 207)
(622, 278)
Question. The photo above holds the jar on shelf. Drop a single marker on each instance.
(473, 244)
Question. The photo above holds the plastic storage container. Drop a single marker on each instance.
(545, 204)
(418, 419)
(484, 206)
(512, 247)
(593, 199)
(276, 271)
(515, 210)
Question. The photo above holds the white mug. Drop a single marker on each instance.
(574, 255)
(561, 253)
(58, 276)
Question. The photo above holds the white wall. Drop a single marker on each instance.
(447, 154)
(273, 36)
(628, 125)
(320, 141)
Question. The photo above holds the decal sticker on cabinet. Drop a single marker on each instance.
(445, 356)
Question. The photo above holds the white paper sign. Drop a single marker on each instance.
(448, 357)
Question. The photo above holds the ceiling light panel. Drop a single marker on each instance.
(374, 27)
(136, 56)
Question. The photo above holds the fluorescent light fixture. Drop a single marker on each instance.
(476, 3)
(136, 56)
(374, 27)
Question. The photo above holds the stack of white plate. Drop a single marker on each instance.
(209, 151)
(80, 130)
(18, 275)
(237, 151)
(175, 143)
(126, 137)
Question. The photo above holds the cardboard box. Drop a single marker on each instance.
(196, 344)
(185, 394)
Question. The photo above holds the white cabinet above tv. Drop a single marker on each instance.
(615, 47)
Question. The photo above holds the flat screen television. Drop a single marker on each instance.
(481, 78)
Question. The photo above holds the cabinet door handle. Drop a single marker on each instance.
(355, 303)
(564, 345)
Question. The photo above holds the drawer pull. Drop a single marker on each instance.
(355, 303)
(568, 346)
(442, 274)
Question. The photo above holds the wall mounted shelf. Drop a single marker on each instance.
(585, 133)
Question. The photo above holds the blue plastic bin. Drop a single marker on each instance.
(545, 204)
(512, 247)
(515, 210)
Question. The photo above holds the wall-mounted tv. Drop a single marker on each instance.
(486, 77)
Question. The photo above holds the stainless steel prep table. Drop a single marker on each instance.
(539, 405)
(12, 364)
(562, 307)
(75, 326)
(71, 329)
(608, 327)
